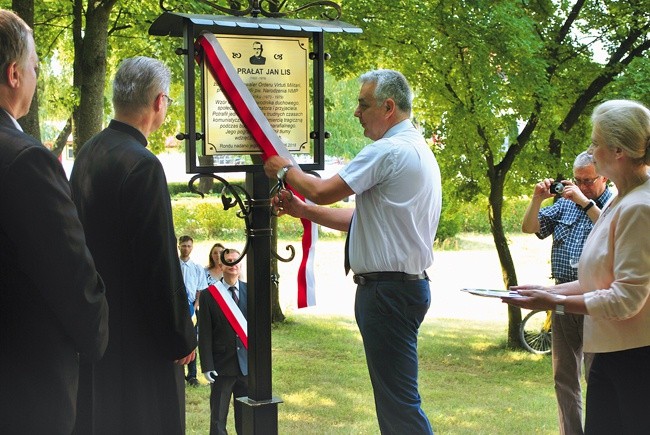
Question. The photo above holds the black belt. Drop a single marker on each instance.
(361, 279)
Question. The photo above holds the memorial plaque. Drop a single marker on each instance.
(275, 70)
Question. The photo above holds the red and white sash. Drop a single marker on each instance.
(246, 108)
(235, 317)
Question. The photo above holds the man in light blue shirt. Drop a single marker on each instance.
(195, 282)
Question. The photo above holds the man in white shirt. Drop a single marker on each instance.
(391, 231)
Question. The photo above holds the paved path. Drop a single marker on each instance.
(451, 271)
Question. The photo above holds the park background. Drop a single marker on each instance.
(470, 381)
(504, 90)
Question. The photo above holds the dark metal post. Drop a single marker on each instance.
(260, 407)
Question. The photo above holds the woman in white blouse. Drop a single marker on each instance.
(213, 271)
(613, 285)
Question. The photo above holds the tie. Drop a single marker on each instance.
(233, 291)
(346, 263)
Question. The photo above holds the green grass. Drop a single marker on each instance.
(469, 382)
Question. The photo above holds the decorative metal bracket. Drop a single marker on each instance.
(231, 196)
(267, 8)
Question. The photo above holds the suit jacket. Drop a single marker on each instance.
(218, 343)
(121, 192)
(53, 309)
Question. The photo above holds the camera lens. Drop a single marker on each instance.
(557, 187)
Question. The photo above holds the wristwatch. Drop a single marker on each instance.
(588, 206)
(282, 172)
(559, 306)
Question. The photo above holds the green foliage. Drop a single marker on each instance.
(182, 188)
(474, 215)
(205, 219)
(340, 103)
(496, 80)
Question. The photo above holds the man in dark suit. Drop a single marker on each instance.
(121, 193)
(224, 359)
(257, 58)
(53, 309)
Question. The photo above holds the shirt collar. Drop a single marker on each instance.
(128, 129)
(14, 121)
(398, 128)
(603, 198)
(236, 285)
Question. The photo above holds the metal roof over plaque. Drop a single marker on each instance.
(172, 24)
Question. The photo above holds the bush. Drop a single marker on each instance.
(181, 189)
(205, 219)
(472, 217)
(475, 219)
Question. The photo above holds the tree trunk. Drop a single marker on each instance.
(90, 67)
(62, 139)
(505, 258)
(30, 122)
(206, 183)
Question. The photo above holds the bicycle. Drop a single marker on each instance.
(535, 332)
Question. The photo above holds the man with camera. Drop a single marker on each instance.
(569, 219)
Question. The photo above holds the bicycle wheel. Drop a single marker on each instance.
(535, 332)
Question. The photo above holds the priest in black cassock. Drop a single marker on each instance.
(121, 193)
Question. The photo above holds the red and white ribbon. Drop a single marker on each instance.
(246, 108)
(230, 309)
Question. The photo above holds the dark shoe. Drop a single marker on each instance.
(193, 382)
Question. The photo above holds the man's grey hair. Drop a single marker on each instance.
(390, 84)
(138, 81)
(15, 37)
(583, 160)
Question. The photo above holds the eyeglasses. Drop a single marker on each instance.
(585, 182)
(170, 101)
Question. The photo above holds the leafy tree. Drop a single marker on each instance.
(30, 123)
(80, 44)
(340, 102)
(508, 85)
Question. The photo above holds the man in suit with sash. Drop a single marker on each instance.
(224, 357)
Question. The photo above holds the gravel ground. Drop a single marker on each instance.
(452, 270)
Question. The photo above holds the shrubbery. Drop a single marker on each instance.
(205, 219)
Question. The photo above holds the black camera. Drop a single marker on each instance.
(557, 187)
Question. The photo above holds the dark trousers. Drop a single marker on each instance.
(568, 358)
(617, 394)
(223, 389)
(389, 314)
(191, 366)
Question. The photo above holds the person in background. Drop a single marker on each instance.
(213, 271)
(121, 193)
(195, 281)
(224, 359)
(570, 220)
(613, 286)
(53, 310)
(391, 231)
